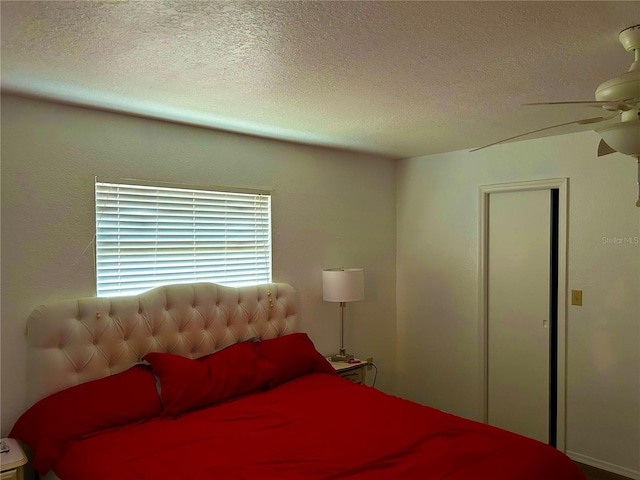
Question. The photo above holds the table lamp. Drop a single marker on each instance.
(342, 285)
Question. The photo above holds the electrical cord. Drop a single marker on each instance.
(375, 375)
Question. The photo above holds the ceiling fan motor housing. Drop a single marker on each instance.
(624, 137)
(627, 85)
(624, 87)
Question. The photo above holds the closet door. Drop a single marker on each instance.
(518, 308)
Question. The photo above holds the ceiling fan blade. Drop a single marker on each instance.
(584, 121)
(622, 105)
(604, 149)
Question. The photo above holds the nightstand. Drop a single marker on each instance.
(356, 372)
(11, 462)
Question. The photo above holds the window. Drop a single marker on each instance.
(148, 235)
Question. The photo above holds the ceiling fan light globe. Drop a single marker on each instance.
(623, 137)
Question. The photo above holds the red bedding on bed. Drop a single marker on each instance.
(315, 427)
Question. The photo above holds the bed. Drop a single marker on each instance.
(202, 381)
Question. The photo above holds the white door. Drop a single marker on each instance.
(518, 279)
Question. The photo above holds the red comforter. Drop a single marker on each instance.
(315, 427)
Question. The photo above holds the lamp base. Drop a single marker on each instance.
(342, 357)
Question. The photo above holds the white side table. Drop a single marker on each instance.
(11, 462)
(356, 372)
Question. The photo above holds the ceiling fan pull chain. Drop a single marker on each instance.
(638, 202)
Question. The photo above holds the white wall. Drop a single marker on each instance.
(330, 209)
(334, 208)
(437, 284)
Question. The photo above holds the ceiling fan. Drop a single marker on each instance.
(621, 97)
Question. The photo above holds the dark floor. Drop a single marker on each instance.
(593, 473)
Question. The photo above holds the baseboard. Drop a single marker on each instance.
(606, 466)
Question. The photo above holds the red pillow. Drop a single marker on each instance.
(294, 355)
(187, 384)
(49, 426)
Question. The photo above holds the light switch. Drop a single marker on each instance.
(576, 297)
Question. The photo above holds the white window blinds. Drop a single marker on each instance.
(148, 236)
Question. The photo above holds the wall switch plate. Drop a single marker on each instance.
(576, 297)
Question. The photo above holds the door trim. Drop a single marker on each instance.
(562, 185)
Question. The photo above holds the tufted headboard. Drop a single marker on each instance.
(75, 341)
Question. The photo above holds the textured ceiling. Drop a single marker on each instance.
(400, 79)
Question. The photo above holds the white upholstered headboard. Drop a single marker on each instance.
(75, 341)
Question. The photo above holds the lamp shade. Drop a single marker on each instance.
(343, 284)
